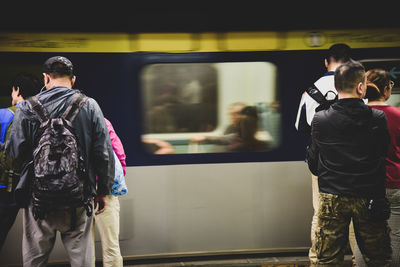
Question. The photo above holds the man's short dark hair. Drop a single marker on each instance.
(348, 75)
(28, 84)
(58, 66)
(339, 53)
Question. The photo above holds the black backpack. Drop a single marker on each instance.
(58, 165)
(316, 94)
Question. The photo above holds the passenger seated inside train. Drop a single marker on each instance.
(246, 139)
(230, 130)
(244, 134)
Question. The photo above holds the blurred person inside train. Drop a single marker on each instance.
(349, 143)
(241, 135)
(230, 130)
(23, 86)
(336, 55)
(246, 140)
(379, 90)
(270, 119)
(108, 222)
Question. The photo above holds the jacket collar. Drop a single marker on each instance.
(329, 73)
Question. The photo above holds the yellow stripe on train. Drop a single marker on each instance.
(196, 42)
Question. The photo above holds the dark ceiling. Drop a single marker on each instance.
(197, 18)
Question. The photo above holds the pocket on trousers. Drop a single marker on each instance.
(327, 206)
(319, 242)
(379, 209)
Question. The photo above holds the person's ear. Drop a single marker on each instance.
(361, 90)
(73, 80)
(16, 91)
(387, 92)
(46, 78)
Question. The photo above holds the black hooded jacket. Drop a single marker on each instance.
(91, 131)
(349, 142)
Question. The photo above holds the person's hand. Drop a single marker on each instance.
(100, 202)
(198, 138)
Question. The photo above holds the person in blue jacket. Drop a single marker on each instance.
(23, 85)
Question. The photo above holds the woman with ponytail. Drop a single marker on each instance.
(379, 89)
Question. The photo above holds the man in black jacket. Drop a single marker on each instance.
(348, 147)
(98, 160)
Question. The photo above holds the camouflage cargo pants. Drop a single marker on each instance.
(332, 232)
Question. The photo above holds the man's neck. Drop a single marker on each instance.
(380, 102)
(343, 95)
(60, 82)
(332, 66)
(18, 100)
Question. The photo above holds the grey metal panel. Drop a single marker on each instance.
(205, 207)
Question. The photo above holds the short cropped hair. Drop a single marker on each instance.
(348, 75)
(339, 53)
(27, 83)
(58, 66)
(377, 80)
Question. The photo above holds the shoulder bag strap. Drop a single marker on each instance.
(13, 109)
(316, 94)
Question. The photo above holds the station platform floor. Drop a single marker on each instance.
(250, 261)
(259, 262)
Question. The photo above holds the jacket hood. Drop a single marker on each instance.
(54, 99)
(352, 113)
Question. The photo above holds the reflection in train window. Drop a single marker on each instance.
(180, 98)
(210, 107)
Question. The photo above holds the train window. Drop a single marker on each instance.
(210, 107)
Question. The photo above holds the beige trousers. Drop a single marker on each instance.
(315, 200)
(107, 224)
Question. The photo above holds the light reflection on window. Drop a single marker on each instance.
(180, 98)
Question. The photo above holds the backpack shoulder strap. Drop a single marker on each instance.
(74, 107)
(316, 94)
(38, 109)
(13, 109)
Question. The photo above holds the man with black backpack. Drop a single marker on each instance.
(62, 141)
(317, 97)
(23, 85)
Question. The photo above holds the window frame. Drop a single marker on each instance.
(139, 61)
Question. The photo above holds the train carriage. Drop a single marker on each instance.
(202, 199)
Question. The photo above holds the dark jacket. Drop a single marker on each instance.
(349, 142)
(91, 131)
